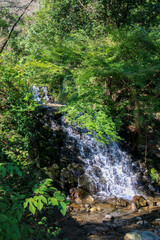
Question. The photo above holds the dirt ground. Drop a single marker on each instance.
(81, 225)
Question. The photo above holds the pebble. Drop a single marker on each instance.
(109, 217)
(140, 222)
(93, 209)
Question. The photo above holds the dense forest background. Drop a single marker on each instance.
(102, 60)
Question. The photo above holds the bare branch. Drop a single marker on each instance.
(14, 25)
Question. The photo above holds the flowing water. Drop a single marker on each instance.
(107, 168)
(40, 94)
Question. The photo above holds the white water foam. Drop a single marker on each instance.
(107, 167)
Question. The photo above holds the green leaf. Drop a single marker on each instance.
(35, 203)
(40, 223)
(43, 199)
(58, 196)
(54, 201)
(63, 208)
(32, 208)
(25, 204)
(39, 205)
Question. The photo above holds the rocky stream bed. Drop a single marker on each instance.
(111, 220)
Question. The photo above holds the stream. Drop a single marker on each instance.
(108, 171)
(114, 206)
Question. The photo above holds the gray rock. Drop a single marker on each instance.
(141, 235)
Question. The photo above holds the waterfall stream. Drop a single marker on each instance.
(108, 170)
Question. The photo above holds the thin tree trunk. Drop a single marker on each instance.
(14, 25)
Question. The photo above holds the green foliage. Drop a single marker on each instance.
(41, 192)
(21, 190)
(103, 74)
(102, 80)
(155, 175)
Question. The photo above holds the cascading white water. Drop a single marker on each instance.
(107, 168)
(37, 95)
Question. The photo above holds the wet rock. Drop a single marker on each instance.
(87, 184)
(106, 207)
(93, 209)
(76, 207)
(88, 200)
(121, 202)
(78, 200)
(112, 201)
(121, 212)
(118, 202)
(139, 201)
(141, 235)
(69, 175)
(145, 210)
(140, 222)
(78, 192)
(109, 217)
(80, 195)
(133, 207)
(52, 171)
(152, 201)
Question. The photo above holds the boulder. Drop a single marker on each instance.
(69, 175)
(79, 195)
(139, 201)
(86, 183)
(152, 201)
(105, 207)
(113, 200)
(141, 235)
(88, 200)
(117, 202)
(121, 202)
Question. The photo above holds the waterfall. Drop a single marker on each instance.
(108, 170)
(40, 94)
